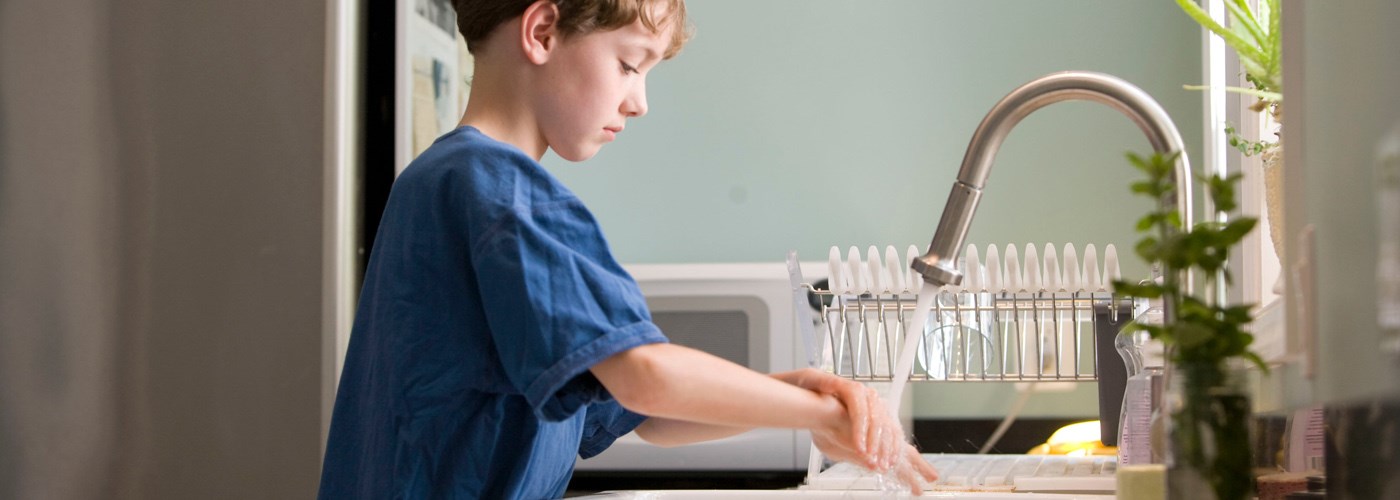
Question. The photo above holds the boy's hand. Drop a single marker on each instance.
(903, 462)
(878, 438)
(913, 470)
(861, 404)
(838, 440)
(874, 437)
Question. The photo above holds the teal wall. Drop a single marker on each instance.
(1343, 91)
(798, 125)
(805, 124)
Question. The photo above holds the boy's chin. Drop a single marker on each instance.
(578, 154)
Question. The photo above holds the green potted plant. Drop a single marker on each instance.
(1255, 37)
(1208, 415)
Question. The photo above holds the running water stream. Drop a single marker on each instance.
(888, 480)
(913, 334)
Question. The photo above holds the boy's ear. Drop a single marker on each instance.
(539, 30)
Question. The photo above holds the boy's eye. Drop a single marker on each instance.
(627, 68)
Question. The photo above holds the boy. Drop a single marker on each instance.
(496, 337)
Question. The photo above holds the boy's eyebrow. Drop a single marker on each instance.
(640, 43)
(652, 54)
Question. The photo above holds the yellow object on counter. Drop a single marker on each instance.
(1142, 482)
(1078, 439)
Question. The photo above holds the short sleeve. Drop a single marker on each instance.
(605, 423)
(557, 303)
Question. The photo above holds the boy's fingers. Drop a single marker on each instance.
(875, 431)
(910, 478)
(924, 468)
(837, 447)
(889, 431)
(894, 444)
(860, 419)
(846, 443)
(872, 450)
(880, 449)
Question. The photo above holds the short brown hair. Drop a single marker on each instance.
(476, 19)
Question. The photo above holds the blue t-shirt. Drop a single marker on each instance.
(490, 292)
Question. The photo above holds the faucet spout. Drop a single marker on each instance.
(939, 265)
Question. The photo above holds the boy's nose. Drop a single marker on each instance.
(635, 105)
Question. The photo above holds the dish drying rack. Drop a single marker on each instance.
(1011, 320)
(1009, 326)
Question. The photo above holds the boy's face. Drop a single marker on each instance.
(593, 84)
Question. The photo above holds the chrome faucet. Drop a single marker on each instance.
(939, 266)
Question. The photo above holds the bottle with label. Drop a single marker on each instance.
(1142, 396)
(1307, 440)
(1141, 400)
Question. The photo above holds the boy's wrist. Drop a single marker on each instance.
(832, 416)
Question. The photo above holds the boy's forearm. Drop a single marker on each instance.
(668, 432)
(675, 382)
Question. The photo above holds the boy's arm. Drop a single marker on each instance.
(668, 432)
(697, 395)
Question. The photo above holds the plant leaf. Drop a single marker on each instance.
(1258, 361)
(1275, 48)
(1235, 230)
(1145, 187)
(1261, 94)
(1145, 290)
(1245, 49)
(1138, 162)
(1221, 193)
(1147, 221)
(1147, 248)
(1190, 335)
(1258, 69)
(1243, 19)
(1174, 219)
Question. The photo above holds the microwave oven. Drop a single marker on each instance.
(740, 312)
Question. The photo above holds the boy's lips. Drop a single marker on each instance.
(612, 132)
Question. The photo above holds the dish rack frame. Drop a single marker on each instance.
(970, 336)
(974, 328)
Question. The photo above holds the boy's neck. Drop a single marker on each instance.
(494, 107)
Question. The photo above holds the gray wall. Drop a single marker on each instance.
(161, 226)
(803, 124)
(1346, 77)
